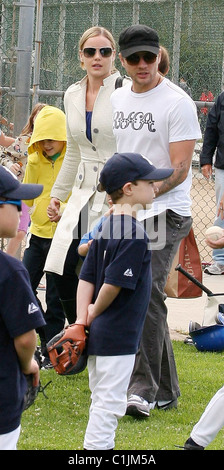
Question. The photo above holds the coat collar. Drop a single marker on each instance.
(78, 91)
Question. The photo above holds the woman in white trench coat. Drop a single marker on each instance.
(90, 142)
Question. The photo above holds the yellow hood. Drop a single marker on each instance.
(50, 124)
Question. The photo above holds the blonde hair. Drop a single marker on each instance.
(93, 32)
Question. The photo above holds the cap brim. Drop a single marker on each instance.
(131, 50)
(25, 191)
(158, 174)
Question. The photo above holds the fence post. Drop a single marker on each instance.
(23, 66)
(61, 50)
(135, 13)
(2, 38)
(222, 81)
(37, 55)
(176, 41)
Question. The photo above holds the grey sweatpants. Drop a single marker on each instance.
(154, 376)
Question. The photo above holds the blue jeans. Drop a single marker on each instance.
(218, 255)
(34, 260)
(155, 376)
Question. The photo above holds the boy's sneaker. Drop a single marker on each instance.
(191, 445)
(46, 364)
(215, 269)
(137, 406)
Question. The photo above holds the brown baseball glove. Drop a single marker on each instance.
(67, 350)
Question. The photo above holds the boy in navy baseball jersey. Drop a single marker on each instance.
(19, 315)
(114, 290)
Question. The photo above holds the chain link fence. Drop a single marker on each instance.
(39, 60)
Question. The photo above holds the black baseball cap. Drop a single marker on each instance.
(124, 167)
(11, 188)
(138, 38)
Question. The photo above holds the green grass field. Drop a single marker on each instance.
(59, 422)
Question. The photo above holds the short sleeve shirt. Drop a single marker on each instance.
(121, 257)
(19, 313)
(148, 123)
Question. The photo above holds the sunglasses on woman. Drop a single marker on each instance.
(91, 51)
(14, 203)
(134, 59)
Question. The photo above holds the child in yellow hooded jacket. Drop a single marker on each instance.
(46, 152)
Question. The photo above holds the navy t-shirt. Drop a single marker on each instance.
(119, 256)
(19, 313)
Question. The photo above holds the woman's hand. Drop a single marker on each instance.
(53, 210)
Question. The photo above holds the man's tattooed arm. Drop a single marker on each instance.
(180, 156)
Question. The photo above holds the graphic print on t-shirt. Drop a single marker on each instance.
(136, 120)
(148, 123)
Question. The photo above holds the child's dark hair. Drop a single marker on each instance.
(119, 192)
(116, 195)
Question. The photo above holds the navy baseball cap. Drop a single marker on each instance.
(138, 38)
(124, 167)
(11, 188)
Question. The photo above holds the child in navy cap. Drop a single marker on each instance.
(114, 290)
(19, 315)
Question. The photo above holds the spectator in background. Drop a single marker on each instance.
(15, 159)
(213, 148)
(183, 84)
(208, 96)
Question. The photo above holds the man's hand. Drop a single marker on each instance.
(207, 171)
(215, 245)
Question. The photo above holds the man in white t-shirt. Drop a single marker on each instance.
(156, 118)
